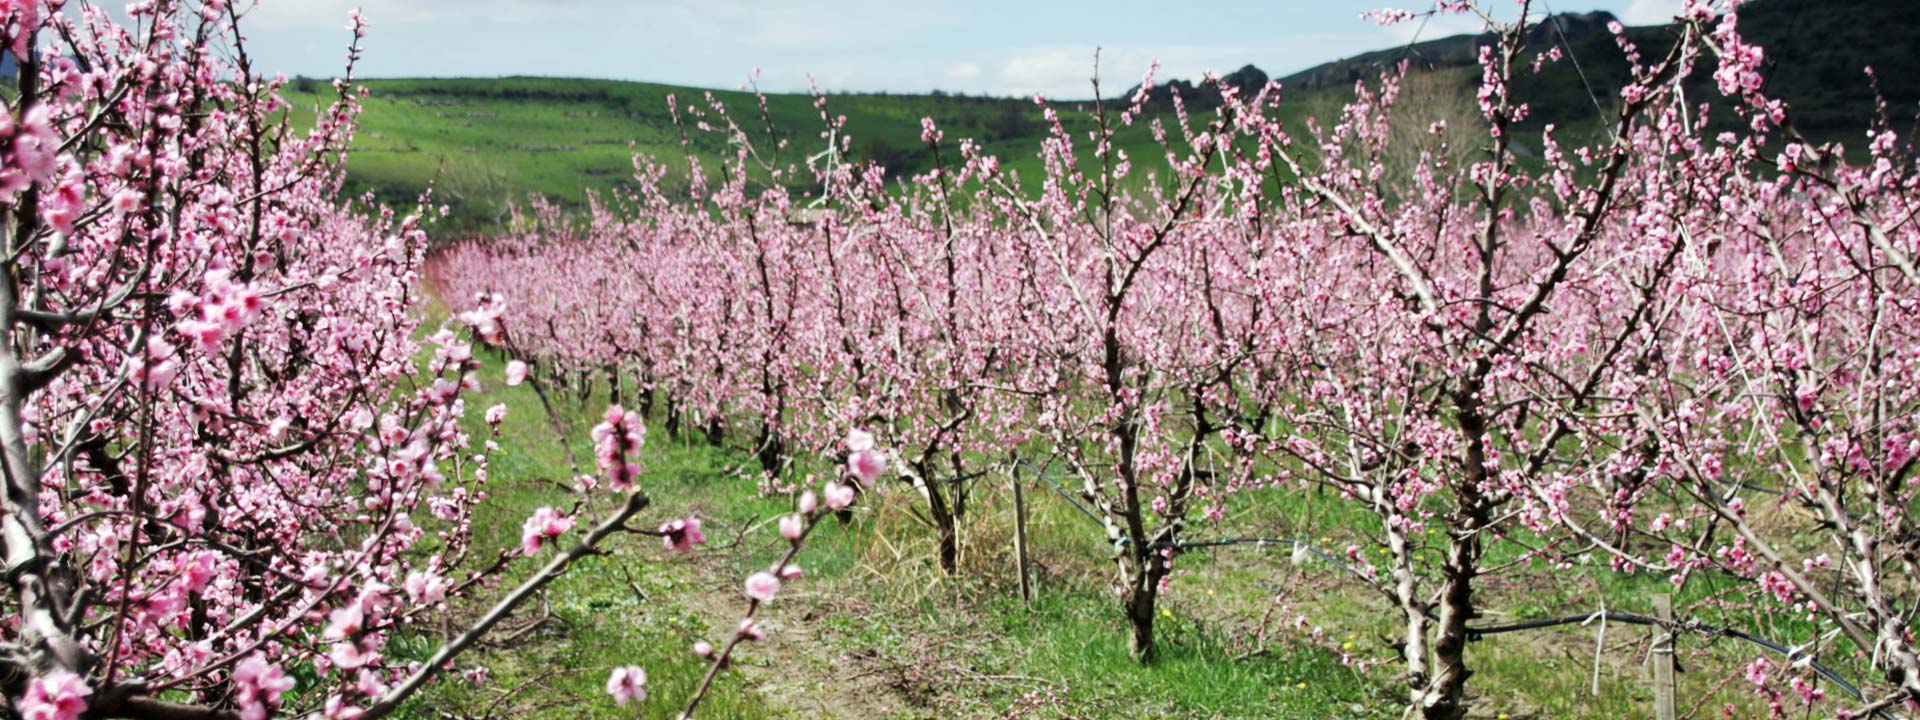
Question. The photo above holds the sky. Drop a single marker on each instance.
(995, 47)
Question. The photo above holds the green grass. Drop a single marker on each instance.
(628, 607)
(643, 605)
(917, 644)
(875, 631)
(486, 144)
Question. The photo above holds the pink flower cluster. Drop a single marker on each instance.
(258, 687)
(220, 311)
(627, 684)
(682, 533)
(619, 434)
(28, 155)
(863, 461)
(543, 526)
(57, 696)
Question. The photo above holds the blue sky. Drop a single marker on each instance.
(1000, 47)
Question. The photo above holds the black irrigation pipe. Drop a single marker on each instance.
(1476, 634)
(961, 478)
(1256, 541)
(1263, 541)
(1042, 474)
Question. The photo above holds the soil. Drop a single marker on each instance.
(794, 669)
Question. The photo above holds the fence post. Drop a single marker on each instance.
(1020, 537)
(1662, 655)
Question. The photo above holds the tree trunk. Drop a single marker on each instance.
(1445, 695)
(1143, 590)
(1445, 698)
(958, 493)
(945, 524)
(772, 452)
(949, 548)
(1413, 608)
(948, 529)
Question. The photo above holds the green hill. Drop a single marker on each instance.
(1816, 53)
(486, 143)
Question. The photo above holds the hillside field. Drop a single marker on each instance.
(485, 144)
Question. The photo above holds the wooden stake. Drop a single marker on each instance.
(1662, 656)
(1020, 538)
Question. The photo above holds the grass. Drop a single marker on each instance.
(918, 641)
(628, 607)
(875, 631)
(484, 145)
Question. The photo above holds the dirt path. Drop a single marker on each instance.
(796, 669)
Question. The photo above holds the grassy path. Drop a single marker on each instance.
(873, 631)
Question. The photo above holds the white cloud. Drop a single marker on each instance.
(1067, 72)
(1047, 71)
(1434, 27)
(792, 25)
(845, 44)
(330, 14)
(1650, 12)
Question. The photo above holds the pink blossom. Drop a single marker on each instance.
(349, 655)
(792, 527)
(682, 534)
(476, 676)
(426, 588)
(338, 707)
(619, 434)
(1807, 396)
(516, 373)
(839, 496)
(67, 203)
(867, 465)
(26, 16)
(627, 684)
(258, 686)
(345, 622)
(485, 321)
(545, 524)
(126, 201)
(762, 586)
(60, 695)
(859, 440)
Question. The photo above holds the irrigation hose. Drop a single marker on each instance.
(1476, 634)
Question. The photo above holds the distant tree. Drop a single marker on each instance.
(1010, 120)
(880, 152)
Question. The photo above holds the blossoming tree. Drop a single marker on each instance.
(225, 464)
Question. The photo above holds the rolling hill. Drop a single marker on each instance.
(1817, 51)
(485, 144)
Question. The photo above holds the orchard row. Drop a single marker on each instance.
(1609, 351)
